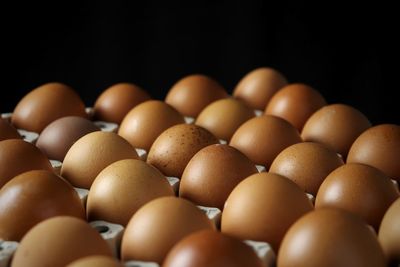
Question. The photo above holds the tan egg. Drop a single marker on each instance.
(115, 102)
(133, 181)
(157, 226)
(173, 148)
(91, 154)
(307, 164)
(59, 241)
(389, 233)
(145, 122)
(330, 238)
(18, 156)
(7, 131)
(223, 117)
(212, 249)
(359, 189)
(32, 197)
(379, 146)
(95, 261)
(45, 104)
(336, 126)
(212, 173)
(258, 86)
(263, 138)
(262, 208)
(193, 93)
(295, 103)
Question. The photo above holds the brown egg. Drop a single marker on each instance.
(307, 164)
(360, 189)
(7, 131)
(144, 123)
(59, 241)
(133, 181)
(193, 93)
(263, 138)
(91, 154)
(258, 86)
(262, 207)
(173, 148)
(379, 146)
(295, 103)
(58, 137)
(45, 104)
(212, 173)
(158, 225)
(330, 238)
(115, 102)
(212, 249)
(389, 233)
(95, 261)
(336, 126)
(223, 117)
(18, 156)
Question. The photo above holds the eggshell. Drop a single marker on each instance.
(95, 261)
(7, 131)
(389, 233)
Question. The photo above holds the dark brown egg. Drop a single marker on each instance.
(330, 238)
(95, 261)
(389, 233)
(7, 131)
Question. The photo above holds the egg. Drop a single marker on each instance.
(389, 233)
(133, 181)
(379, 146)
(262, 207)
(223, 117)
(212, 173)
(7, 131)
(116, 101)
(360, 189)
(307, 164)
(145, 122)
(212, 249)
(258, 86)
(88, 156)
(295, 103)
(18, 156)
(95, 261)
(45, 104)
(263, 138)
(330, 238)
(158, 225)
(192, 93)
(173, 148)
(59, 241)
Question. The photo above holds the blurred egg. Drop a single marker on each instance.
(193, 93)
(58, 241)
(262, 208)
(45, 104)
(95, 261)
(389, 233)
(91, 154)
(7, 131)
(115, 102)
(295, 103)
(158, 225)
(330, 238)
(145, 122)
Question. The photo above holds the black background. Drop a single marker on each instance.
(337, 49)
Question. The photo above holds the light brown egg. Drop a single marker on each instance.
(145, 122)
(18, 156)
(45, 104)
(263, 138)
(258, 86)
(336, 126)
(295, 103)
(379, 146)
(95, 261)
(59, 241)
(115, 102)
(360, 189)
(223, 117)
(212, 173)
(133, 181)
(307, 164)
(389, 233)
(7, 131)
(262, 208)
(173, 148)
(330, 238)
(91, 154)
(193, 93)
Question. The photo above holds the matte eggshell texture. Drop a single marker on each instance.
(7, 131)
(95, 261)
(389, 232)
